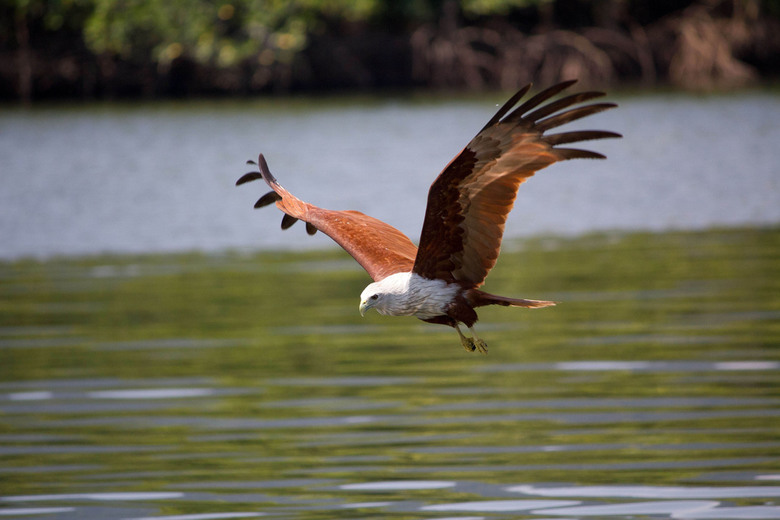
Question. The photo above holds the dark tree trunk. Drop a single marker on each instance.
(24, 58)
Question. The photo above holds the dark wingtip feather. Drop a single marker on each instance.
(560, 104)
(248, 177)
(310, 229)
(580, 135)
(268, 198)
(288, 221)
(250, 161)
(571, 115)
(267, 176)
(506, 107)
(540, 98)
(564, 154)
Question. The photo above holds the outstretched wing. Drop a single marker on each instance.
(380, 248)
(470, 200)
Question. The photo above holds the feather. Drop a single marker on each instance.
(381, 249)
(248, 177)
(268, 198)
(538, 99)
(560, 104)
(470, 200)
(288, 221)
(572, 115)
(565, 154)
(584, 135)
(507, 106)
(468, 206)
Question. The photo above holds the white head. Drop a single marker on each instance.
(387, 296)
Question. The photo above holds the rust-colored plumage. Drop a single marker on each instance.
(467, 209)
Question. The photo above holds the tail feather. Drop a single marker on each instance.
(481, 299)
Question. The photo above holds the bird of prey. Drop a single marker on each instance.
(468, 205)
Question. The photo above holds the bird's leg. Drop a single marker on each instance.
(467, 343)
(473, 343)
(478, 343)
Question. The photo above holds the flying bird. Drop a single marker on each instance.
(468, 205)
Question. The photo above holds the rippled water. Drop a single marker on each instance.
(223, 386)
(84, 180)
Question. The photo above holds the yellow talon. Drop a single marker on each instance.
(473, 343)
(480, 345)
(468, 344)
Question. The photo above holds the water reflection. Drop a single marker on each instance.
(502, 506)
(649, 491)
(398, 485)
(638, 366)
(93, 496)
(27, 511)
(203, 516)
(179, 398)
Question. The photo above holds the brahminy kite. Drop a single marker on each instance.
(468, 205)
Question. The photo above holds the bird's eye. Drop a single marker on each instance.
(374, 297)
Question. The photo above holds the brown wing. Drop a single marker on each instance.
(380, 248)
(470, 200)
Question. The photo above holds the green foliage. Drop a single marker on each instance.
(55, 15)
(251, 45)
(497, 7)
(217, 33)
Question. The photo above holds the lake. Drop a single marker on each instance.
(240, 385)
(160, 177)
(167, 352)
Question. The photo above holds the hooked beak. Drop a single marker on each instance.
(364, 306)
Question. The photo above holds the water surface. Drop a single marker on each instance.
(240, 385)
(159, 177)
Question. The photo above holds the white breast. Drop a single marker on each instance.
(409, 294)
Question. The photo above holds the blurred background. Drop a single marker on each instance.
(142, 112)
(167, 352)
(108, 49)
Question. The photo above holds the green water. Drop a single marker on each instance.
(239, 384)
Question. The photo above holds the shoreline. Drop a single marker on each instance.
(301, 251)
